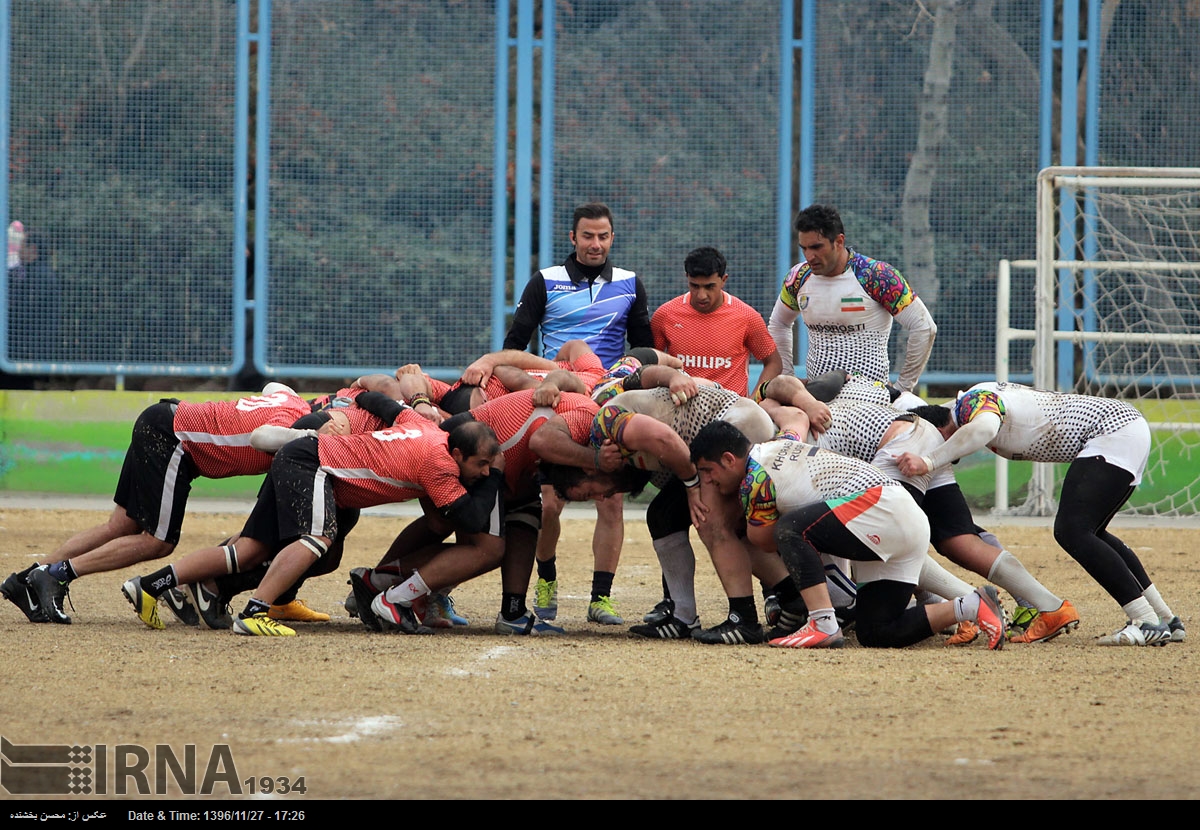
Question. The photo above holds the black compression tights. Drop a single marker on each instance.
(884, 621)
(1092, 493)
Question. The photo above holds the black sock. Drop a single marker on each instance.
(601, 584)
(745, 609)
(254, 606)
(548, 570)
(62, 571)
(159, 582)
(666, 590)
(230, 585)
(512, 606)
(785, 591)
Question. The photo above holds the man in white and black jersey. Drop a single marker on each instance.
(848, 302)
(803, 501)
(1106, 442)
(650, 428)
(880, 434)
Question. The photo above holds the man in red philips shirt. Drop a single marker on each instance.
(711, 331)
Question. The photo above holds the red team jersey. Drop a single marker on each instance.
(401, 463)
(216, 434)
(360, 419)
(717, 345)
(514, 419)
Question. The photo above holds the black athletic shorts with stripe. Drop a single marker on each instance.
(157, 474)
(296, 498)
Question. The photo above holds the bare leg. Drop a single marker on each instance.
(209, 563)
(121, 553)
(730, 558)
(969, 551)
(421, 532)
(609, 535)
(552, 507)
(941, 615)
(118, 524)
(456, 564)
(767, 566)
(288, 566)
(116, 544)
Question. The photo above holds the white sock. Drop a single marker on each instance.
(937, 580)
(825, 620)
(1158, 604)
(1140, 609)
(966, 607)
(407, 591)
(1008, 573)
(678, 564)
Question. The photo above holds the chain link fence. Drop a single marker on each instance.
(379, 122)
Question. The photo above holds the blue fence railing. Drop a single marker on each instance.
(311, 188)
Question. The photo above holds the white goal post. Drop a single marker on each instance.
(1117, 278)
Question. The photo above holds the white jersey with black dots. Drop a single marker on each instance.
(803, 473)
(1053, 427)
(839, 340)
(860, 389)
(857, 428)
(711, 404)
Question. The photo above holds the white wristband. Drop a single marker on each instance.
(692, 482)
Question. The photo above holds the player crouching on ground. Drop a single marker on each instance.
(1106, 442)
(294, 519)
(173, 444)
(801, 500)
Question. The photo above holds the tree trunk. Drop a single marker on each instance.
(920, 265)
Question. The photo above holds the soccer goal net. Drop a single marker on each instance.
(1117, 296)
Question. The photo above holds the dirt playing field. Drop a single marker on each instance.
(599, 714)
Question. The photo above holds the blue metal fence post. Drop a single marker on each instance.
(783, 223)
(1046, 87)
(5, 127)
(526, 45)
(1069, 46)
(546, 228)
(241, 169)
(262, 188)
(523, 150)
(788, 47)
(500, 176)
(1091, 155)
(1067, 113)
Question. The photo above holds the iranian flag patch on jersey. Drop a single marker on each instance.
(853, 304)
